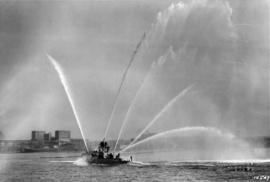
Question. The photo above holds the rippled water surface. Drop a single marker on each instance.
(51, 167)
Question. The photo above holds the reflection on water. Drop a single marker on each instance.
(44, 167)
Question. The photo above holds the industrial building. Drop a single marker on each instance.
(63, 135)
(1, 135)
(47, 137)
(38, 136)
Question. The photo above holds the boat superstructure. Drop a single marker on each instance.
(102, 155)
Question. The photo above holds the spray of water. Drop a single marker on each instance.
(64, 82)
(179, 96)
(121, 85)
(81, 162)
(131, 106)
(181, 130)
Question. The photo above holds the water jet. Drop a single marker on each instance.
(65, 85)
(169, 104)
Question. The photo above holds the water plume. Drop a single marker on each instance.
(81, 162)
(181, 130)
(64, 82)
(131, 105)
(191, 143)
(179, 96)
(121, 85)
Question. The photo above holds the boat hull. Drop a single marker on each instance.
(107, 161)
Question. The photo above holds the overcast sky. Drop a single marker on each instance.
(220, 47)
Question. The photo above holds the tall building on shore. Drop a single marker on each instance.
(38, 136)
(48, 137)
(43, 141)
(63, 135)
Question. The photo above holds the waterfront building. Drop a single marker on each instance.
(62, 137)
(38, 136)
(48, 137)
(1, 135)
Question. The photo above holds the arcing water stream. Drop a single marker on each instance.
(179, 96)
(64, 82)
(121, 85)
(131, 106)
(179, 131)
(191, 143)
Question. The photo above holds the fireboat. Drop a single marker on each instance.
(102, 155)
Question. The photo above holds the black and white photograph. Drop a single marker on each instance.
(134, 90)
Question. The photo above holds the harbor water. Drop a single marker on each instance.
(69, 167)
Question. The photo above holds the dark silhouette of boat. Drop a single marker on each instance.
(32, 150)
(103, 156)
